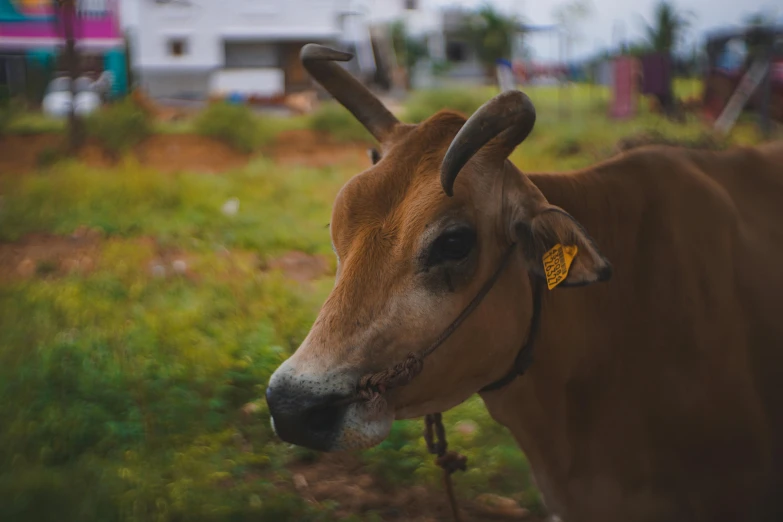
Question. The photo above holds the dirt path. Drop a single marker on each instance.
(50, 255)
(314, 149)
(185, 152)
(188, 152)
(343, 478)
(19, 154)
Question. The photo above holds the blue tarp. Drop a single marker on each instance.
(114, 62)
(9, 13)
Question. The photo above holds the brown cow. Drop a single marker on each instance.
(655, 394)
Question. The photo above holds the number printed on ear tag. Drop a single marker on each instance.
(557, 262)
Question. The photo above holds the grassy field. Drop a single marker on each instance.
(131, 389)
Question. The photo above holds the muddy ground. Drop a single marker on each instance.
(20, 154)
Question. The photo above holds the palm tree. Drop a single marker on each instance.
(663, 35)
(668, 27)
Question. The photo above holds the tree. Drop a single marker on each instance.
(491, 33)
(668, 27)
(663, 35)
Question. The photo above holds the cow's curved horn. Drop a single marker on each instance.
(319, 62)
(510, 116)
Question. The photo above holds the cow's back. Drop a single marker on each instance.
(740, 192)
(753, 177)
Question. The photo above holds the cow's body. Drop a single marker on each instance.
(656, 392)
(659, 394)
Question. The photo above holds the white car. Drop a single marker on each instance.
(57, 100)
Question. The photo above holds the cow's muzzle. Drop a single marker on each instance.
(305, 419)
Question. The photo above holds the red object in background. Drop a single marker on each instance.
(624, 91)
(777, 71)
(720, 85)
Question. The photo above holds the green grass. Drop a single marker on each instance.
(119, 127)
(572, 128)
(280, 209)
(132, 387)
(335, 120)
(232, 124)
(237, 126)
(28, 123)
(121, 393)
(423, 104)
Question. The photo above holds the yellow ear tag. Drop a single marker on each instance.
(557, 262)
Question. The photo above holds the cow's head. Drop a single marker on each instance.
(414, 244)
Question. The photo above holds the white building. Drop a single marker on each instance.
(191, 48)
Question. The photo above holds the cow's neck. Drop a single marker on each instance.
(538, 407)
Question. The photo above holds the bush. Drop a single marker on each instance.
(5, 109)
(424, 104)
(49, 156)
(234, 125)
(339, 123)
(5, 119)
(119, 127)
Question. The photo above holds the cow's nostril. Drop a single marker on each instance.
(322, 417)
(307, 420)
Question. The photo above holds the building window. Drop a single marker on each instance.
(411, 5)
(456, 51)
(178, 47)
(241, 55)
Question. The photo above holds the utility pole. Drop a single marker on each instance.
(67, 17)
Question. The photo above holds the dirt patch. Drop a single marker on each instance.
(315, 149)
(344, 479)
(50, 255)
(19, 154)
(190, 152)
(299, 266)
(183, 152)
(93, 155)
(45, 255)
(162, 152)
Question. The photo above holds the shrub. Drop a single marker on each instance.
(49, 156)
(5, 119)
(5, 109)
(234, 125)
(339, 123)
(119, 127)
(424, 104)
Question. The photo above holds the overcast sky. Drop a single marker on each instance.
(610, 19)
(626, 15)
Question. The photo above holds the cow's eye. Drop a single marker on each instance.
(452, 245)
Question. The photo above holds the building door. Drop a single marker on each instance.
(296, 76)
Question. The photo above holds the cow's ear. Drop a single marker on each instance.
(558, 249)
(555, 245)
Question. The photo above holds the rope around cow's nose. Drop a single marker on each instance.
(372, 387)
(370, 391)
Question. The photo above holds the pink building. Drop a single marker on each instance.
(32, 36)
